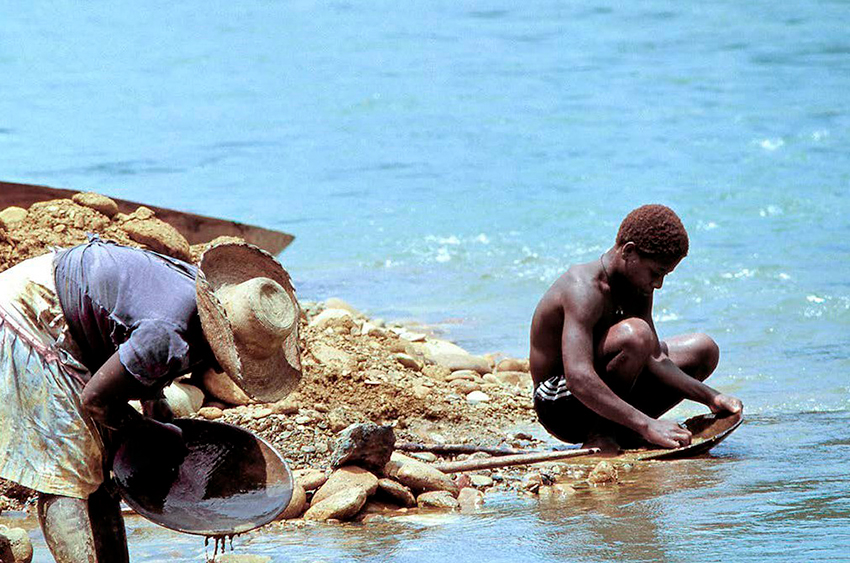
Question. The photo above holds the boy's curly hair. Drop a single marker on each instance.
(656, 231)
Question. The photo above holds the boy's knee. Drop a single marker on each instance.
(637, 337)
(709, 354)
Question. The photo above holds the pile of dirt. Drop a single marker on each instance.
(355, 369)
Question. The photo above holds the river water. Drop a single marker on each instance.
(444, 162)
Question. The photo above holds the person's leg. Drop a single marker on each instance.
(84, 530)
(695, 354)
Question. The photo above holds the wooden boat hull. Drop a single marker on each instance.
(196, 228)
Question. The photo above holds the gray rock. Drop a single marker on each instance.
(367, 444)
(437, 499)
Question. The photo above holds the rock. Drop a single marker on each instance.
(327, 317)
(310, 479)
(604, 472)
(554, 491)
(427, 457)
(464, 386)
(420, 477)
(337, 303)
(338, 420)
(220, 386)
(396, 492)
(296, 504)
(369, 329)
(437, 499)
(158, 236)
(470, 499)
(12, 216)
(15, 545)
(332, 357)
(98, 202)
(368, 445)
(435, 346)
(511, 377)
(462, 361)
(438, 373)
(482, 481)
(408, 361)
(211, 413)
(183, 399)
(467, 374)
(476, 397)
(532, 482)
(512, 364)
(285, 406)
(490, 378)
(420, 391)
(341, 506)
(347, 478)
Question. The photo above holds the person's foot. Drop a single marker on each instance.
(606, 443)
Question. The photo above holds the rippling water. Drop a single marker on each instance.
(443, 162)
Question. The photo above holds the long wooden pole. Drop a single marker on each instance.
(455, 449)
(505, 461)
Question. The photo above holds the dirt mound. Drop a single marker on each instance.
(355, 370)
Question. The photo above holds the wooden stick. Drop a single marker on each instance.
(519, 459)
(455, 449)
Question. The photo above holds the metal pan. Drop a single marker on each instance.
(230, 481)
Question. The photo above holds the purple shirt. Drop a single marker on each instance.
(137, 302)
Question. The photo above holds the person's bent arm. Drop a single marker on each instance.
(580, 315)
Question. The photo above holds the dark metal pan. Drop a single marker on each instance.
(228, 482)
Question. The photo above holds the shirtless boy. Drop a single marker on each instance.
(601, 375)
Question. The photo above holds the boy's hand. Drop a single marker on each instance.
(667, 433)
(726, 403)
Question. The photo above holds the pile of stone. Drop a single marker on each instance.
(369, 478)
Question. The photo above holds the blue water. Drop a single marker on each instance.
(444, 162)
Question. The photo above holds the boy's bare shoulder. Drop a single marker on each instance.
(577, 288)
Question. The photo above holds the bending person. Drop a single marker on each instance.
(86, 329)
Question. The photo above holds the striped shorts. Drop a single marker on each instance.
(561, 413)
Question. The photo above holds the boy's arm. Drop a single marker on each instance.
(582, 310)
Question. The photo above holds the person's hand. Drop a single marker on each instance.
(161, 442)
(667, 433)
(725, 403)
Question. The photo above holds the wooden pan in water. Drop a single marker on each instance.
(229, 482)
(707, 431)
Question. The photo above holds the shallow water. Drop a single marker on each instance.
(444, 162)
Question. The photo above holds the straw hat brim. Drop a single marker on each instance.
(266, 379)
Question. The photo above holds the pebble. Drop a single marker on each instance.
(211, 413)
(98, 202)
(437, 499)
(419, 476)
(604, 472)
(512, 364)
(476, 397)
(328, 316)
(302, 419)
(11, 216)
(467, 374)
(482, 481)
(408, 361)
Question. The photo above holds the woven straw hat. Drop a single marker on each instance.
(250, 314)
